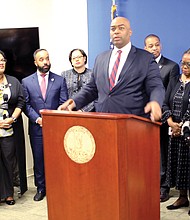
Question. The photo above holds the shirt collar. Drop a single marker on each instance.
(158, 58)
(126, 48)
(38, 73)
(74, 71)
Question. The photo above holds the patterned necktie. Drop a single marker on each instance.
(43, 85)
(114, 70)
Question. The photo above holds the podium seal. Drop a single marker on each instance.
(79, 144)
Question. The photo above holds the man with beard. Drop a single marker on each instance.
(42, 90)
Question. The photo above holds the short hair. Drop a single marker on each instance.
(82, 52)
(3, 54)
(150, 35)
(187, 51)
(36, 51)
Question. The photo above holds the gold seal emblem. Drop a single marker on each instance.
(79, 144)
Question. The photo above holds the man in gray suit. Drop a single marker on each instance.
(137, 89)
(168, 69)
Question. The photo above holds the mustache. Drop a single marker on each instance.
(45, 68)
(46, 65)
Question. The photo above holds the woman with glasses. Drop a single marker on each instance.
(78, 76)
(176, 111)
(12, 149)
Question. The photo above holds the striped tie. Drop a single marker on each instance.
(114, 70)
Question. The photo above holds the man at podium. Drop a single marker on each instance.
(125, 79)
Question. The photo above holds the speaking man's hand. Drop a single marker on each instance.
(68, 105)
(155, 111)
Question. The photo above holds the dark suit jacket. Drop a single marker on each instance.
(17, 100)
(168, 70)
(56, 94)
(168, 105)
(139, 83)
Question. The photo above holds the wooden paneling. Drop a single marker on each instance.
(121, 181)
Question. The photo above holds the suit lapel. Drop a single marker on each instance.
(127, 64)
(124, 71)
(51, 80)
(107, 60)
(35, 82)
(161, 62)
(36, 85)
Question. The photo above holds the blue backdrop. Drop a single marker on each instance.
(168, 19)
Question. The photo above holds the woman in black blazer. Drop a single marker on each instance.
(12, 149)
(176, 112)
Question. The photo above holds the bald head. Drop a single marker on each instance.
(121, 20)
(120, 31)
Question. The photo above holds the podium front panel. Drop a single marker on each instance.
(121, 176)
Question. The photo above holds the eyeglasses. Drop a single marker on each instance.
(3, 60)
(187, 64)
(78, 57)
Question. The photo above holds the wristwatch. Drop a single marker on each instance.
(14, 119)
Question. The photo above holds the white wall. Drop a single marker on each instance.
(62, 27)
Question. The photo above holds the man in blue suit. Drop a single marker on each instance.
(53, 94)
(138, 88)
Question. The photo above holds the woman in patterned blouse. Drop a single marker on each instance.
(176, 111)
(78, 76)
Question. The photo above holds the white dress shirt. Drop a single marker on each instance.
(158, 58)
(125, 52)
(40, 78)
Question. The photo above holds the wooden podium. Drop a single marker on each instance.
(101, 166)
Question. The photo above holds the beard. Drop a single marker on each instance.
(44, 69)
